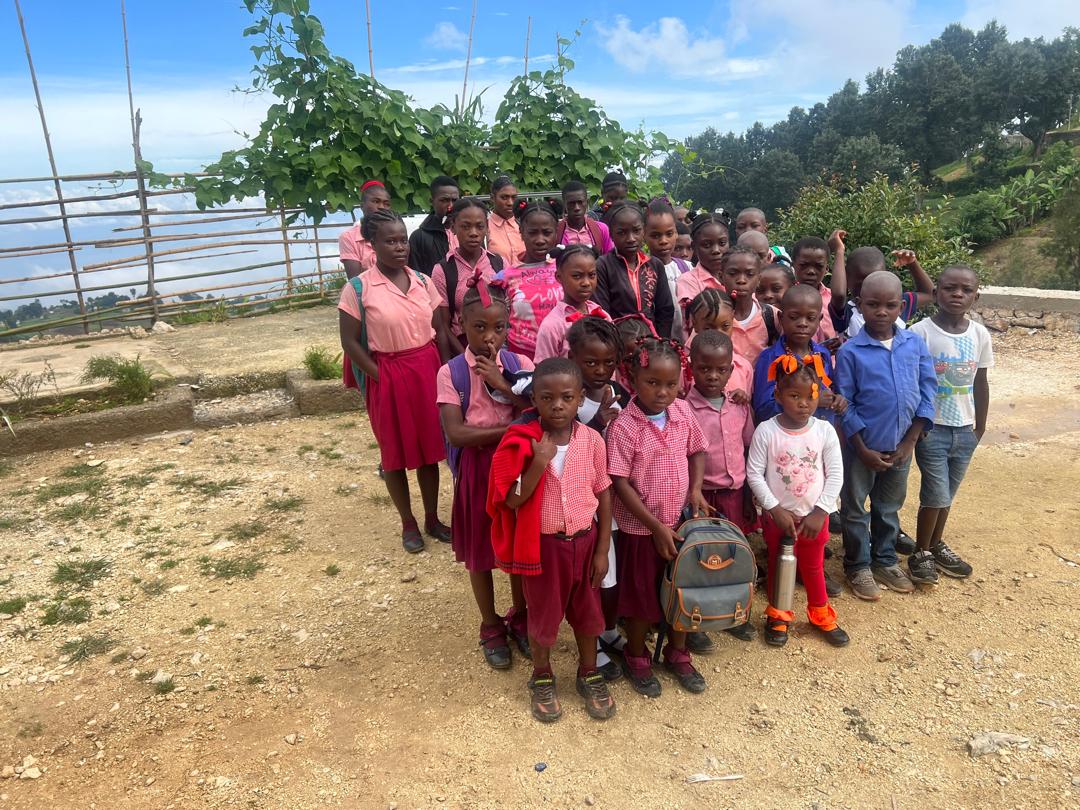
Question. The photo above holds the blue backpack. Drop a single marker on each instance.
(461, 377)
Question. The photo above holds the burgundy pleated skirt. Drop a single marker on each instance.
(470, 525)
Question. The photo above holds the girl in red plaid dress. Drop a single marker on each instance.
(656, 460)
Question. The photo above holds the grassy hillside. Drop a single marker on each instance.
(1016, 261)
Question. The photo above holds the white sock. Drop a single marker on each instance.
(602, 659)
(613, 638)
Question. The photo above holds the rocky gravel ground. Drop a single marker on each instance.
(225, 618)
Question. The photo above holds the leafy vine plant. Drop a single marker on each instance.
(331, 128)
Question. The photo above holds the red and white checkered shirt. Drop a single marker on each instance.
(654, 461)
(570, 501)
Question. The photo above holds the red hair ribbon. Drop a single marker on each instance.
(477, 281)
(371, 184)
(577, 315)
(637, 316)
(643, 357)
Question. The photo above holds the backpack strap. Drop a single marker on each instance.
(595, 234)
(358, 375)
(510, 361)
(450, 271)
(768, 314)
(462, 380)
(683, 266)
(497, 263)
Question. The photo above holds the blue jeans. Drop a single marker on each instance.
(943, 456)
(870, 537)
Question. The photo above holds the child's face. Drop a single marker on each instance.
(576, 204)
(597, 362)
(796, 398)
(470, 227)
(657, 385)
(740, 274)
(723, 321)
(443, 199)
(711, 367)
(772, 284)
(626, 232)
(391, 243)
(810, 266)
(613, 194)
(957, 290)
(880, 306)
(485, 328)
(538, 234)
(750, 221)
(578, 278)
(660, 235)
(856, 275)
(711, 243)
(683, 247)
(799, 321)
(503, 201)
(557, 397)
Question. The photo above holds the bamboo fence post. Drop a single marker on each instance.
(370, 53)
(52, 168)
(140, 180)
(288, 255)
(318, 260)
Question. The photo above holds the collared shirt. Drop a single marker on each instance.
(551, 336)
(574, 236)
(483, 411)
(504, 238)
(396, 321)
(570, 500)
(885, 389)
(742, 375)
(750, 337)
(354, 247)
(826, 330)
(642, 289)
(694, 281)
(728, 431)
(764, 399)
(654, 461)
(465, 272)
(851, 321)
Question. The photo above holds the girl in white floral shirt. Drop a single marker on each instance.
(796, 471)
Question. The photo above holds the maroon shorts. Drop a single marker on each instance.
(728, 503)
(563, 589)
(639, 570)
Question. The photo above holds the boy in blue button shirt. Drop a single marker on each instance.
(887, 376)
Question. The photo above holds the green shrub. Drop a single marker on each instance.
(1064, 246)
(129, 378)
(978, 218)
(322, 364)
(887, 215)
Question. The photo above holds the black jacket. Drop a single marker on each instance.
(616, 296)
(428, 244)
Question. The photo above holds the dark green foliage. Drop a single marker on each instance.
(1064, 247)
(322, 364)
(82, 573)
(129, 378)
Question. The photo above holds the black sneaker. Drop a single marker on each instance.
(545, 702)
(700, 643)
(599, 704)
(949, 562)
(832, 587)
(743, 632)
(776, 632)
(904, 544)
(836, 636)
(922, 568)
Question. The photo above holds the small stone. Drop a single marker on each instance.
(149, 781)
(408, 577)
(291, 738)
(178, 588)
(138, 653)
(589, 800)
(885, 655)
(8, 772)
(161, 676)
(993, 741)
(97, 462)
(540, 767)
(30, 773)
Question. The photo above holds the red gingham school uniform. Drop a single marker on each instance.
(729, 431)
(655, 463)
(567, 542)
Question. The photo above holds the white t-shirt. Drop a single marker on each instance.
(559, 462)
(658, 419)
(797, 469)
(673, 272)
(754, 310)
(956, 360)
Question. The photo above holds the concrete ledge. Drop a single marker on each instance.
(321, 396)
(169, 410)
(233, 385)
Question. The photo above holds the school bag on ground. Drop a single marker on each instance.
(461, 377)
(709, 584)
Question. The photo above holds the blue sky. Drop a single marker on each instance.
(679, 68)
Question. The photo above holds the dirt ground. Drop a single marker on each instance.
(344, 673)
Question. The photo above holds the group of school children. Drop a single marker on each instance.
(594, 376)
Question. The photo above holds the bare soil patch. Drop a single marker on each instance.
(228, 620)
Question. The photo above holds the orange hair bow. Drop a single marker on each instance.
(789, 364)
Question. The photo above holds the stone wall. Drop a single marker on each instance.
(1051, 310)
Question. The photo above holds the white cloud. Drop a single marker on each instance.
(668, 44)
(1033, 18)
(447, 37)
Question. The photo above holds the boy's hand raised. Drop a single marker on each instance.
(903, 258)
(606, 411)
(836, 240)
